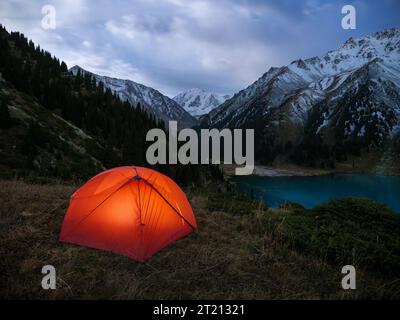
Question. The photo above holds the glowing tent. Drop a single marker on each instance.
(131, 211)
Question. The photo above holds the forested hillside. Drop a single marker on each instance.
(57, 124)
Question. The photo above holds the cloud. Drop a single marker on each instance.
(213, 41)
(315, 6)
(173, 45)
(86, 44)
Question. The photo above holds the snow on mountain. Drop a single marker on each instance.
(312, 78)
(199, 102)
(152, 100)
(317, 93)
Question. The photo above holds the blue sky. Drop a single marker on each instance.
(174, 45)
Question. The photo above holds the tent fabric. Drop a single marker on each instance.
(131, 211)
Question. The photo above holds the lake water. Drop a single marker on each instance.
(311, 191)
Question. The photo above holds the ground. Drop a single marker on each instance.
(231, 256)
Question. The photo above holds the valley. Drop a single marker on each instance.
(202, 150)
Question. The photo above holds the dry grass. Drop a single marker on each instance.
(230, 257)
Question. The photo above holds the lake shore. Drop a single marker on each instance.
(292, 170)
(281, 171)
(289, 171)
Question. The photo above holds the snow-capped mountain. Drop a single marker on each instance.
(152, 100)
(350, 94)
(199, 102)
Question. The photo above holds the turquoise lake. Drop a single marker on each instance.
(311, 191)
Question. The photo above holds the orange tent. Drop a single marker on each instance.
(131, 211)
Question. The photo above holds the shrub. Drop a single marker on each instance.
(353, 231)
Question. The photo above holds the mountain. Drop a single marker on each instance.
(199, 102)
(55, 124)
(151, 100)
(346, 102)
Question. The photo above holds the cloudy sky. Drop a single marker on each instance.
(173, 45)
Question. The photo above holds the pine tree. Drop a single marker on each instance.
(64, 67)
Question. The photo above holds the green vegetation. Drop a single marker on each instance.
(233, 203)
(358, 232)
(353, 231)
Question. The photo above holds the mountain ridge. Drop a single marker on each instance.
(279, 104)
(152, 100)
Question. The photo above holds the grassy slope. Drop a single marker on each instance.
(231, 256)
(62, 147)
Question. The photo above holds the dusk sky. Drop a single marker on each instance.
(174, 45)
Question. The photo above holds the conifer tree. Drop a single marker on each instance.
(64, 67)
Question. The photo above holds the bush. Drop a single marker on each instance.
(351, 231)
